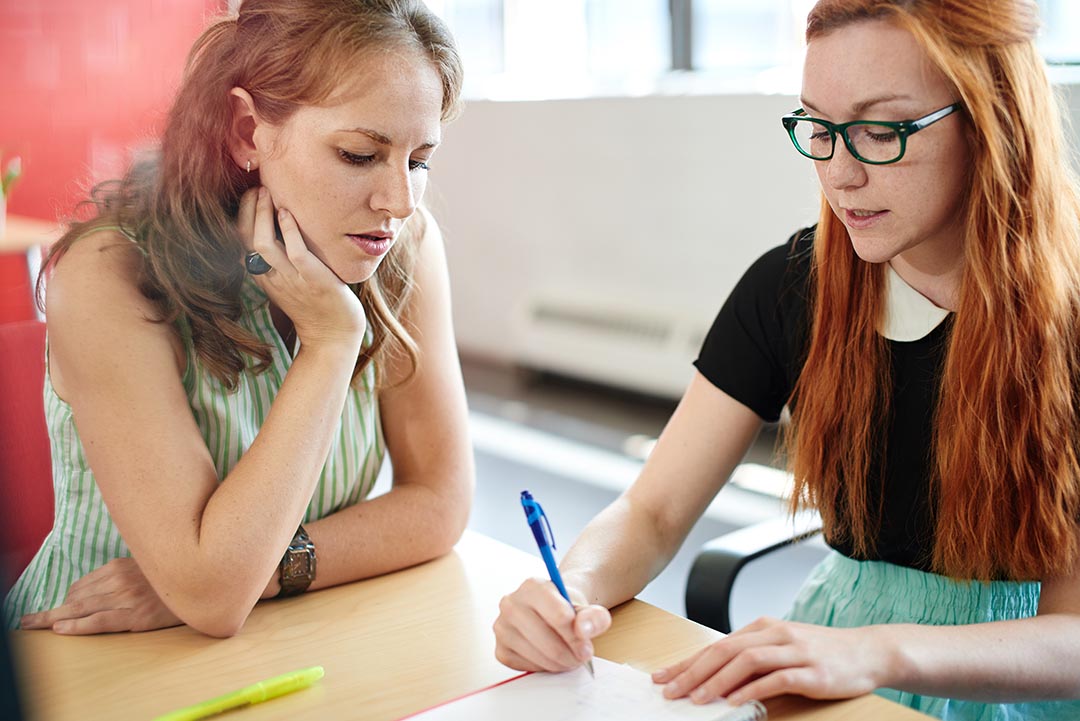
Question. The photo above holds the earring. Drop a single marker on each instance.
(248, 167)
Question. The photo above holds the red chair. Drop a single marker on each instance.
(26, 493)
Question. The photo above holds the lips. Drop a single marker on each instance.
(373, 244)
(861, 218)
(376, 234)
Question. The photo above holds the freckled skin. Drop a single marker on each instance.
(398, 97)
(923, 192)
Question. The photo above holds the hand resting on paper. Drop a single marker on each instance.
(538, 631)
(114, 597)
(769, 657)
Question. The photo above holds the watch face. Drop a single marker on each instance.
(297, 565)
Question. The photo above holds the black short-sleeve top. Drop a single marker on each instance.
(754, 353)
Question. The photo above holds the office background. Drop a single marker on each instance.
(617, 166)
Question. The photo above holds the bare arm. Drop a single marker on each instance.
(630, 541)
(425, 422)
(196, 539)
(1028, 659)
(1000, 662)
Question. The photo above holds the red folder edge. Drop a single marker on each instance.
(466, 695)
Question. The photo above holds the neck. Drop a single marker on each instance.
(935, 272)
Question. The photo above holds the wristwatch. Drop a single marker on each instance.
(297, 565)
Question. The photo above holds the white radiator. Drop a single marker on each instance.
(643, 348)
(597, 238)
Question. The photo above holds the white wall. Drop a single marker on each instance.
(632, 217)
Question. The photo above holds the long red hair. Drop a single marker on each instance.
(1006, 468)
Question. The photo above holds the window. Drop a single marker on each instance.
(478, 29)
(533, 49)
(741, 35)
(559, 48)
(1060, 36)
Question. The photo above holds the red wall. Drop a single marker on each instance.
(82, 82)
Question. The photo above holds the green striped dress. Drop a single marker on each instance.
(84, 537)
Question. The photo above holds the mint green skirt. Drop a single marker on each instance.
(845, 593)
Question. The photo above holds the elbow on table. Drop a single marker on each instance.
(216, 621)
(439, 522)
(219, 612)
(444, 542)
(436, 540)
(454, 521)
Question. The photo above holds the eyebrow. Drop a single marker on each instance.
(383, 139)
(863, 105)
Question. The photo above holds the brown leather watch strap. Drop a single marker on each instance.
(297, 565)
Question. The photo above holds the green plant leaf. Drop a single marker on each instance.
(11, 174)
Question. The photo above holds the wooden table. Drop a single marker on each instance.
(390, 646)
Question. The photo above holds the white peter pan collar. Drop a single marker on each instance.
(909, 315)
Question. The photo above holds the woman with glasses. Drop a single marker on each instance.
(924, 336)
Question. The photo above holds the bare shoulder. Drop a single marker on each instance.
(430, 253)
(97, 268)
(95, 310)
(426, 313)
(428, 226)
(430, 274)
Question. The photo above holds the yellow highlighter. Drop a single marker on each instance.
(255, 693)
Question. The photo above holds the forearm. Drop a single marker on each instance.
(1005, 661)
(634, 538)
(251, 516)
(410, 524)
(617, 554)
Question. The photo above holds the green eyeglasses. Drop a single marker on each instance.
(877, 142)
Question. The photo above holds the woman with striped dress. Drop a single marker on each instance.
(249, 322)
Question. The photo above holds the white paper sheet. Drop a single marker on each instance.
(618, 693)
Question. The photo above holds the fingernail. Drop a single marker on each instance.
(734, 699)
(282, 213)
(660, 675)
(62, 626)
(700, 694)
(28, 621)
(262, 192)
(672, 688)
(587, 627)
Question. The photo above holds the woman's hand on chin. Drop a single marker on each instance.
(324, 310)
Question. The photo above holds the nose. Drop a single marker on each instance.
(398, 191)
(842, 170)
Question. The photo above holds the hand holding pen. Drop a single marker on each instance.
(541, 529)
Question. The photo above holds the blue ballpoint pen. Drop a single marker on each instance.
(545, 539)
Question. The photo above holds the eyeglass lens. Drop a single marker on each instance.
(876, 143)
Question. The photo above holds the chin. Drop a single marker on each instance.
(354, 273)
(872, 247)
(873, 257)
(872, 250)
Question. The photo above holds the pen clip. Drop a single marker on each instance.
(550, 535)
(535, 514)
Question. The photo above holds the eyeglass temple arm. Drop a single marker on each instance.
(932, 117)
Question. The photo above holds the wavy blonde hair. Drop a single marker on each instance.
(180, 204)
(1006, 470)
